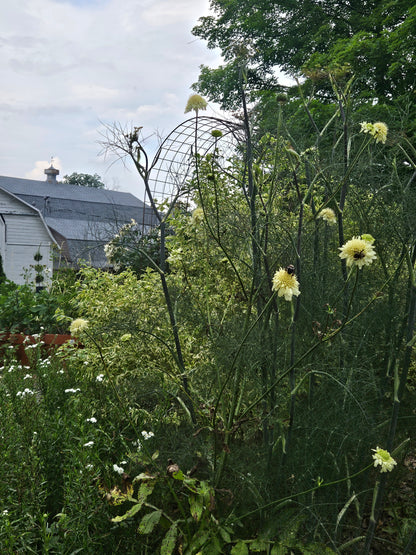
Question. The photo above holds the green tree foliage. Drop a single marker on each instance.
(375, 39)
(84, 180)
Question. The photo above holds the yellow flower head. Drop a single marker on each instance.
(358, 252)
(125, 337)
(197, 216)
(377, 130)
(328, 215)
(285, 283)
(380, 130)
(383, 459)
(195, 102)
(78, 325)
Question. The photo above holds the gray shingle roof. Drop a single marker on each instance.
(86, 217)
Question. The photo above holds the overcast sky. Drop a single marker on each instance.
(68, 65)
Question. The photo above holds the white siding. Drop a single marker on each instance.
(24, 234)
(10, 205)
(25, 230)
(19, 259)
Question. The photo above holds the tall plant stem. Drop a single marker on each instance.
(144, 173)
(399, 387)
(292, 376)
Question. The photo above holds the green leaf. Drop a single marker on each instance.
(240, 548)
(155, 455)
(148, 522)
(145, 490)
(199, 540)
(178, 475)
(169, 541)
(196, 506)
(258, 545)
(224, 534)
(213, 547)
(130, 513)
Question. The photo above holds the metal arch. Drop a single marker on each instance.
(172, 165)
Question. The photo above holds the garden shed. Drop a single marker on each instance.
(79, 220)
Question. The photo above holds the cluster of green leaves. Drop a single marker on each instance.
(372, 39)
(132, 249)
(23, 309)
(84, 180)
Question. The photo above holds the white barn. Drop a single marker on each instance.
(23, 233)
(79, 221)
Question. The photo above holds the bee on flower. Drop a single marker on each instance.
(285, 283)
(358, 251)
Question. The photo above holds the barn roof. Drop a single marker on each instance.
(85, 218)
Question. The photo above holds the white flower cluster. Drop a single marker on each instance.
(25, 392)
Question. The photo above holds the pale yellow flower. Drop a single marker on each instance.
(366, 127)
(328, 215)
(383, 459)
(78, 325)
(358, 252)
(125, 337)
(380, 130)
(197, 216)
(377, 130)
(285, 283)
(195, 102)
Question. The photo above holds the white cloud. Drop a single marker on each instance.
(38, 172)
(68, 65)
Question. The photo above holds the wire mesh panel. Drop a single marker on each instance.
(173, 164)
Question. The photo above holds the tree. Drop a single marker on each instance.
(84, 180)
(375, 39)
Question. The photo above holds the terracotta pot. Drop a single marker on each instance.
(51, 341)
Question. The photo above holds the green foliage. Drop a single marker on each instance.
(23, 309)
(84, 180)
(374, 39)
(132, 249)
(266, 406)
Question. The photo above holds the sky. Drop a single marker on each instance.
(70, 67)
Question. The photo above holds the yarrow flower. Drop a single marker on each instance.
(25, 392)
(118, 469)
(328, 215)
(195, 102)
(383, 459)
(147, 435)
(377, 130)
(285, 283)
(358, 251)
(89, 444)
(78, 325)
